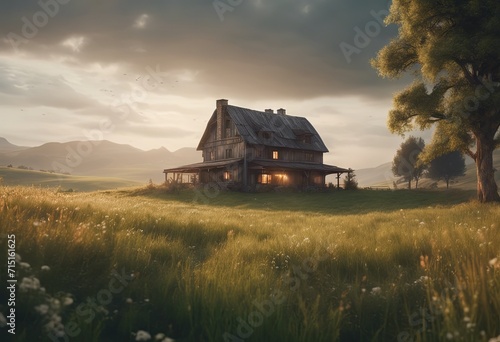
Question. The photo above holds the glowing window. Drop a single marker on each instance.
(265, 178)
(227, 175)
(275, 155)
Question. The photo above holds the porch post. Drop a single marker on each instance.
(245, 166)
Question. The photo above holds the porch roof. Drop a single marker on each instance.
(193, 168)
(282, 165)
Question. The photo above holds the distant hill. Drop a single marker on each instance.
(381, 176)
(12, 177)
(98, 159)
(6, 146)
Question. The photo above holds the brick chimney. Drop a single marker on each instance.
(281, 111)
(221, 111)
(269, 111)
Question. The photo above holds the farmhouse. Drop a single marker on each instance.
(247, 148)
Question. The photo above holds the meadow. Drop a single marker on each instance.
(14, 177)
(336, 266)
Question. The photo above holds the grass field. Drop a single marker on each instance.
(13, 177)
(337, 266)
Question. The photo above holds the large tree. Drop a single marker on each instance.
(406, 163)
(453, 49)
(447, 167)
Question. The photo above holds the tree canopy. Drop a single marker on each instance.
(452, 47)
(447, 167)
(406, 162)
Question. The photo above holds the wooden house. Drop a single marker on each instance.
(245, 147)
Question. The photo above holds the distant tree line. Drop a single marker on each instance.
(411, 163)
(24, 167)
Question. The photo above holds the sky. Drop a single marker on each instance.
(148, 73)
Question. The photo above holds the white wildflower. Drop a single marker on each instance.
(24, 265)
(159, 336)
(493, 262)
(29, 284)
(449, 336)
(42, 309)
(45, 268)
(142, 336)
(376, 291)
(67, 301)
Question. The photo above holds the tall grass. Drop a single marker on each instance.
(259, 267)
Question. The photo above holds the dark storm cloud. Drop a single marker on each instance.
(262, 49)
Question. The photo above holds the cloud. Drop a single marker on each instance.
(75, 43)
(141, 21)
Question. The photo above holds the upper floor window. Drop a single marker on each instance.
(229, 153)
(212, 155)
(309, 156)
(275, 155)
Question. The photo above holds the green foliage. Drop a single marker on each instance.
(350, 182)
(406, 162)
(453, 48)
(447, 167)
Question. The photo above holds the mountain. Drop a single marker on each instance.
(5, 146)
(381, 176)
(100, 159)
(376, 176)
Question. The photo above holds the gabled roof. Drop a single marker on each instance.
(269, 129)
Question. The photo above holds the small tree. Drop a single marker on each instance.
(406, 163)
(350, 182)
(447, 167)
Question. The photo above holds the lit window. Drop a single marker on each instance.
(212, 155)
(265, 178)
(275, 155)
(227, 175)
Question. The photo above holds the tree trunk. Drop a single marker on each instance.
(409, 184)
(447, 183)
(487, 190)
